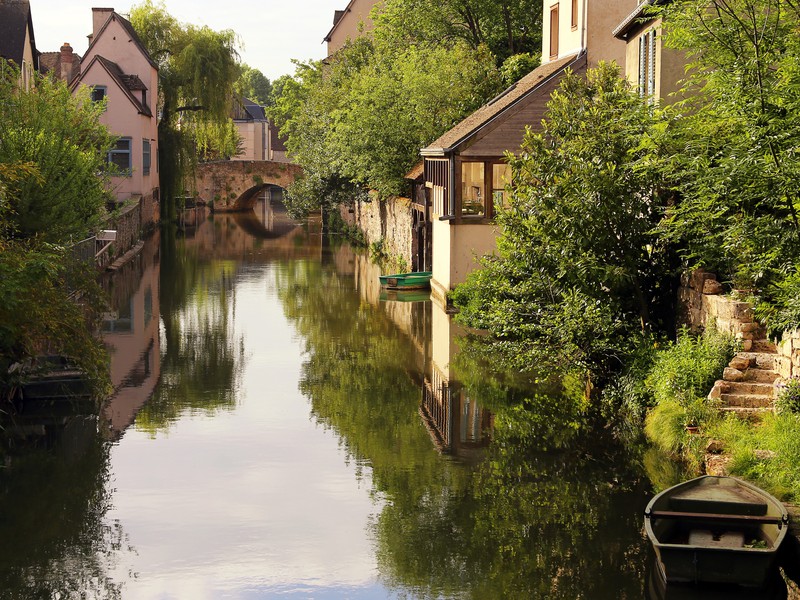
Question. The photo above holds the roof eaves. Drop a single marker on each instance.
(327, 38)
(636, 18)
(128, 27)
(569, 61)
(114, 71)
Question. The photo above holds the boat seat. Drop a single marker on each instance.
(705, 538)
(718, 499)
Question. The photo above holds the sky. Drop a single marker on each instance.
(272, 32)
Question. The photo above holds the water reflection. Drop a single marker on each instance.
(294, 435)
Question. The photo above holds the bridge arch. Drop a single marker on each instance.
(234, 185)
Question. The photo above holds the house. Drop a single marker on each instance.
(350, 23)
(17, 42)
(253, 128)
(119, 70)
(652, 69)
(464, 171)
(260, 139)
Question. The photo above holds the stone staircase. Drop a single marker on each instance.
(747, 387)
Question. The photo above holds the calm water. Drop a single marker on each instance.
(280, 431)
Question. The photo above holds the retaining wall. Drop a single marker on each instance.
(787, 364)
(389, 220)
(701, 302)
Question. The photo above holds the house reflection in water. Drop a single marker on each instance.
(457, 424)
(130, 332)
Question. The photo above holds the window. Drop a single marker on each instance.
(120, 157)
(554, 31)
(574, 19)
(501, 177)
(647, 64)
(146, 157)
(98, 93)
(473, 200)
(144, 98)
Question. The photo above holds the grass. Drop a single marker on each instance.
(767, 453)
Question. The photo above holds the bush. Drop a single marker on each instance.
(686, 370)
(788, 400)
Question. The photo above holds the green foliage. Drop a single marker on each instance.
(505, 27)
(59, 136)
(768, 455)
(734, 164)
(359, 120)
(778, 307)
(666, 426)
(254, 85)
(788, 400)
(686, 370)
(53, 147)
(198, 68)
(680, 378)
(578, 272)
(517, 66)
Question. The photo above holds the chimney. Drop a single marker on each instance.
(99, 18)
(66, 62)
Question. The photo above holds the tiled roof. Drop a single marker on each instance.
(50, 62)
(500, 103)
(133, 82)
(15, 18)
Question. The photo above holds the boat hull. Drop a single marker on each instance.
(716, 530)
(407, 281)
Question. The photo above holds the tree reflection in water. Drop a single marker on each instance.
(551, 512)
(56, 541)
(202, 358)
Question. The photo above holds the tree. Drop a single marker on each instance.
(59, 135)
(198, 68)
(506, 27)
(579, 270)
(53, 148)
(358, 121)
(254, 85)
(734, 164)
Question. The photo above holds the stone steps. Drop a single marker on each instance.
(746, 400)
(747, 384)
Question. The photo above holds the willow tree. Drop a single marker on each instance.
(198, 68)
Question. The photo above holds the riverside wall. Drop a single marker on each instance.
(701, 303)
(389, 222)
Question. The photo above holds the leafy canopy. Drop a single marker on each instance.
(734, 163)
(578, 268)
(52, 191)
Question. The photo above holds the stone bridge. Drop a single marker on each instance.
(234, 185)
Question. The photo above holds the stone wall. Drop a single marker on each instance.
(701, 302)
(388, 220)
(787, 363)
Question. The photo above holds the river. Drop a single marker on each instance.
(281, 431)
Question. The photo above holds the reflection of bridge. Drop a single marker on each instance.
(234, 185)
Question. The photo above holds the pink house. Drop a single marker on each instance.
(118, 68)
